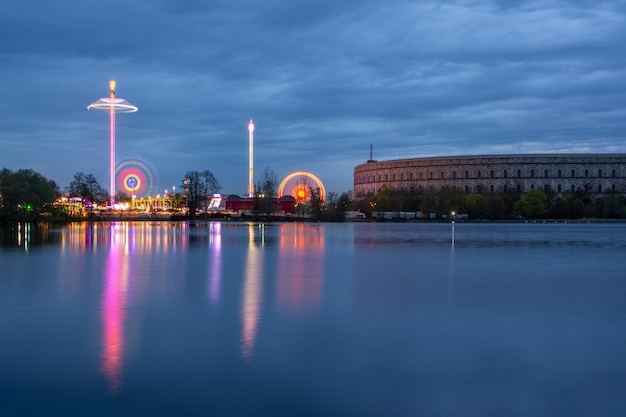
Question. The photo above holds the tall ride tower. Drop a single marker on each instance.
(112, 105)
(250, 159)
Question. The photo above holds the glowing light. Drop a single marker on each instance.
(306, 174)
(251, 159)
(136, 176)
(112, 105)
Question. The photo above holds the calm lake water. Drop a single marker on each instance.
(354, 319)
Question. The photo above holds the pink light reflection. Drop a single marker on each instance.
(215, 276)
(113, 313)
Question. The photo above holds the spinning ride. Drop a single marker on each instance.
(299, 184)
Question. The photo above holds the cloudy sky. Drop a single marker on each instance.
(322, 80)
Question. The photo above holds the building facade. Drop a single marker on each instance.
(594, 173)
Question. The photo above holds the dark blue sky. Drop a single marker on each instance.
(322, 80)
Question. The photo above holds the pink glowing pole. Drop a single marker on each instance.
(251, 159)
(112, 105)
(112, 142)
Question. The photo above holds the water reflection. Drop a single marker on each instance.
(114, 303)
(215, 269)
(300, 268)
(26, 235)
(253, 287)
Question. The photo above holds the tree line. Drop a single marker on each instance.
(534, 204)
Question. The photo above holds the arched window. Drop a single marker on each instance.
(599, 188)
(478, 174)
(613, 173)
(492, 173)
(466, 189)
(453, 174)
(466, 174)
(505, 188)
(586, 173)
(519, 173)
(532, 173)
(573, 188)
(558, 188)
(599, 173)
(613, 187)
(558, 173)
(573, 173)
(505, 174)
(491, 188)
(532, 186)
(545, 173)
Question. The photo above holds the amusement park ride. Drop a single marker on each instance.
(299, 185)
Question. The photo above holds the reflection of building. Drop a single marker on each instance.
(238, 205)
(594, 173)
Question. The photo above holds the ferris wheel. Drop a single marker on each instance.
(299, 185)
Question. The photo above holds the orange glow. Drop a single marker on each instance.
(299, 285)
(306, 174)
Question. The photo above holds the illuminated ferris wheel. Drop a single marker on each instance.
(299, 185)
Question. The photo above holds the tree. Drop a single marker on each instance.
(533, 205)
(560, 209)
(496, 207)
(23, 194)
(88, 189)
(266, 192)
(476, 205)
(198, 187)
(451, 199)
(315, 203)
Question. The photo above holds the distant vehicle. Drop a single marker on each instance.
(354, 215)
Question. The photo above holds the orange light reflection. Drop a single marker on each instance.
(299, 284)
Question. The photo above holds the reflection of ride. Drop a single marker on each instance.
(299, 185)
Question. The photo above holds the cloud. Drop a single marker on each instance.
(322, 80)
